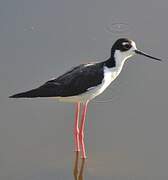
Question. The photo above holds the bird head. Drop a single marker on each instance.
(124, 48)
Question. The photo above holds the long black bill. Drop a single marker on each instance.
(144, 54)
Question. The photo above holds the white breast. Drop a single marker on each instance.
(109, 75)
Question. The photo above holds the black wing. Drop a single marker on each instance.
(74, 82)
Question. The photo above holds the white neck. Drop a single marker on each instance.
(119, 59)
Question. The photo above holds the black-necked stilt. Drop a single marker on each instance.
(85, 82)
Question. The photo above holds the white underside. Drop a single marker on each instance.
(109, 75)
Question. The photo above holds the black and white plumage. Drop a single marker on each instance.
(76, 82)
(86, 81)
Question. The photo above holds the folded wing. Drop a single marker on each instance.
(74, 82)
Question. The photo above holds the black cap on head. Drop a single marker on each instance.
(121, 44)
(124, 45)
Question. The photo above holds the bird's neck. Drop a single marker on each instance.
(111, 62)
(116, 60)
(120, 59)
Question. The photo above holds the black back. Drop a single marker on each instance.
(77, 80)
(74, 82)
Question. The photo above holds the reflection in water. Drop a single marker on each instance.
(78, 175)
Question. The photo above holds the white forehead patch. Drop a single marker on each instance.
(133, 44)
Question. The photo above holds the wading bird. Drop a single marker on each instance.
(84, 82)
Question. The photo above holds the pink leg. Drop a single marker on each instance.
(81, 132)
(76, 127)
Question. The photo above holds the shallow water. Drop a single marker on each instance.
(126, 137)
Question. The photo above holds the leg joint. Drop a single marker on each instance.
(81, 135)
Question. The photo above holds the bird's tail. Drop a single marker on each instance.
(28, 94)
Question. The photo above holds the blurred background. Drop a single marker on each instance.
(126, 138)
